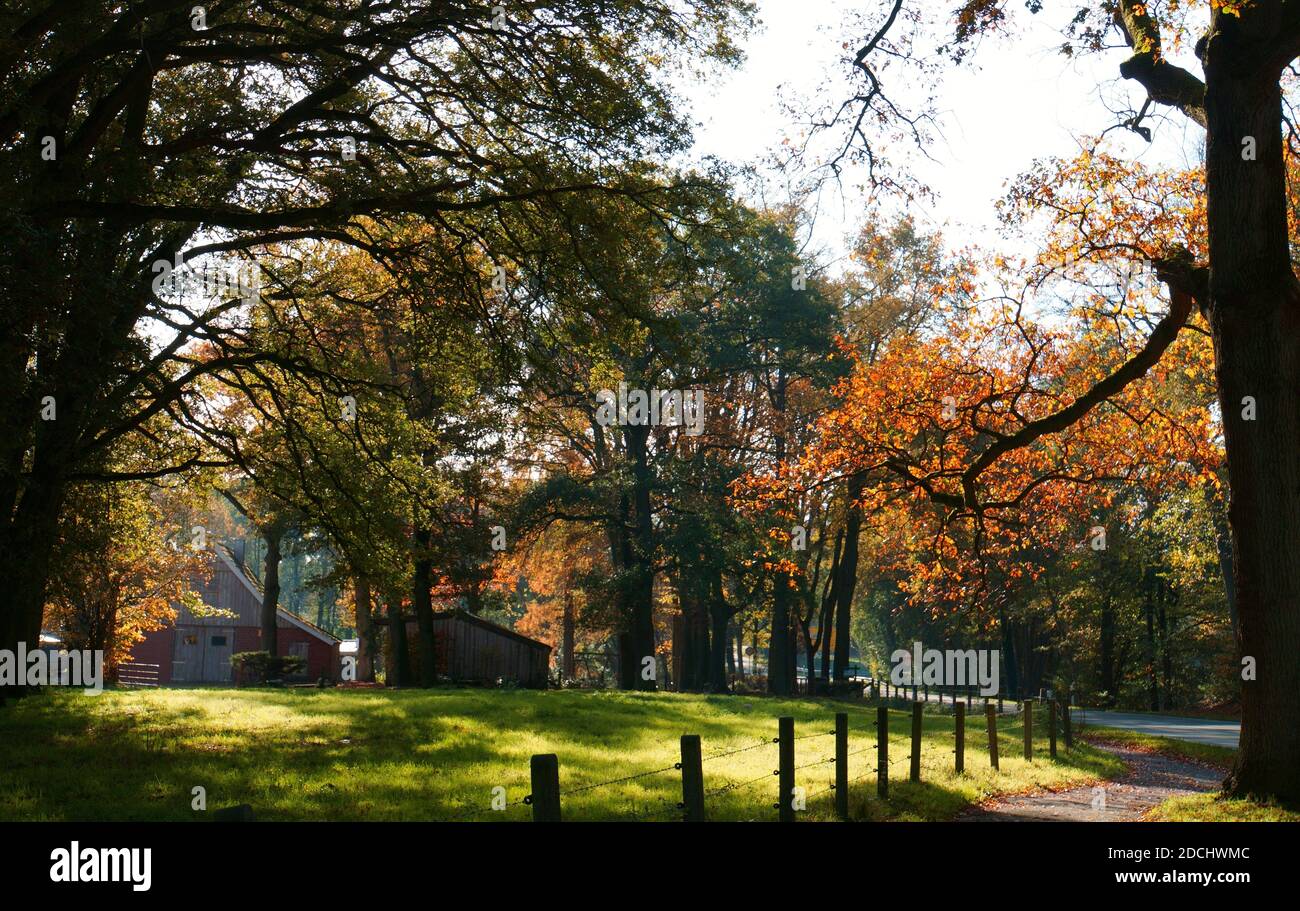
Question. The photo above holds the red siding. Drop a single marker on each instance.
(159, 647)
(156, 648)
(322, 659)
(248, 639)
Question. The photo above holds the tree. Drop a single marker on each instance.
(1244, 284)
(123, 561)
(271, 522)
(135, 137)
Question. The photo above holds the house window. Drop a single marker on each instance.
(191, 640)
(218, 640)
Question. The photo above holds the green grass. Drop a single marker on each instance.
(1217, 808)
(424, 755)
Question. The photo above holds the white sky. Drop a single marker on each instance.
(1014, 101)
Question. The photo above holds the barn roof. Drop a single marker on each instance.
(294, 619)
(462, 614)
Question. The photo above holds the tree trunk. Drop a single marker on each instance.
(628, 667)
(1010, 682)
(689, 649)
(271, 592)
(641, 627)
(1107, 669)
(399, 666)
(779, 682)
(810, 656)
(1255, 319)
(365, 630)
(1149, 610)
(848, 580)
(25, 556)
(569, 667)
(781, 647)
(1223, 546)
(422, 601)
(719, 647)
(1166, 654)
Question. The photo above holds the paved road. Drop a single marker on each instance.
(1199, 730)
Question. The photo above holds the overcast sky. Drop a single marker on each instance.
(1020, 100)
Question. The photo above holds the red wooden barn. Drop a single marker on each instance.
(198, 649)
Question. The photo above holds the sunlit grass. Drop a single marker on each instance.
(308, 754)
(1217, 808)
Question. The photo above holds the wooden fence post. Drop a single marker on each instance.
(992, 718)
(239, 813)
(1065, 720)
(961, 737)
(842, 765)
(692, 778)
(1027, 716)
(882, 752)
(545, 798)
(917, 708)
(1051, 728)
(785, 771)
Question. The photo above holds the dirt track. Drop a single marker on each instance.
(1151, 779)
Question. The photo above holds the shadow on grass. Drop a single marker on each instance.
(425, 755)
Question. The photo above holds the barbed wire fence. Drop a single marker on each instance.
(546, 796)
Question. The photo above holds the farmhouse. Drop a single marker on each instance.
(197, 649)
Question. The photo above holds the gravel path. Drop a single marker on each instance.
(1151, 779)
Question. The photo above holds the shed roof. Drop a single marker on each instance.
(462, 614)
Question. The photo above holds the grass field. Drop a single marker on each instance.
(308, 754)
(1215, 808)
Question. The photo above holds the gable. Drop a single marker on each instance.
(230, 588)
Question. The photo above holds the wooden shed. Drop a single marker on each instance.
(469, 649)
(197, 649)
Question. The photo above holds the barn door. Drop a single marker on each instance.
(218, 647)
(187, 667)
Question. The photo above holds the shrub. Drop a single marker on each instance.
(263, 667)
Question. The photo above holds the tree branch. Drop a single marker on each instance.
(1165, 83)
(1162, 336)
